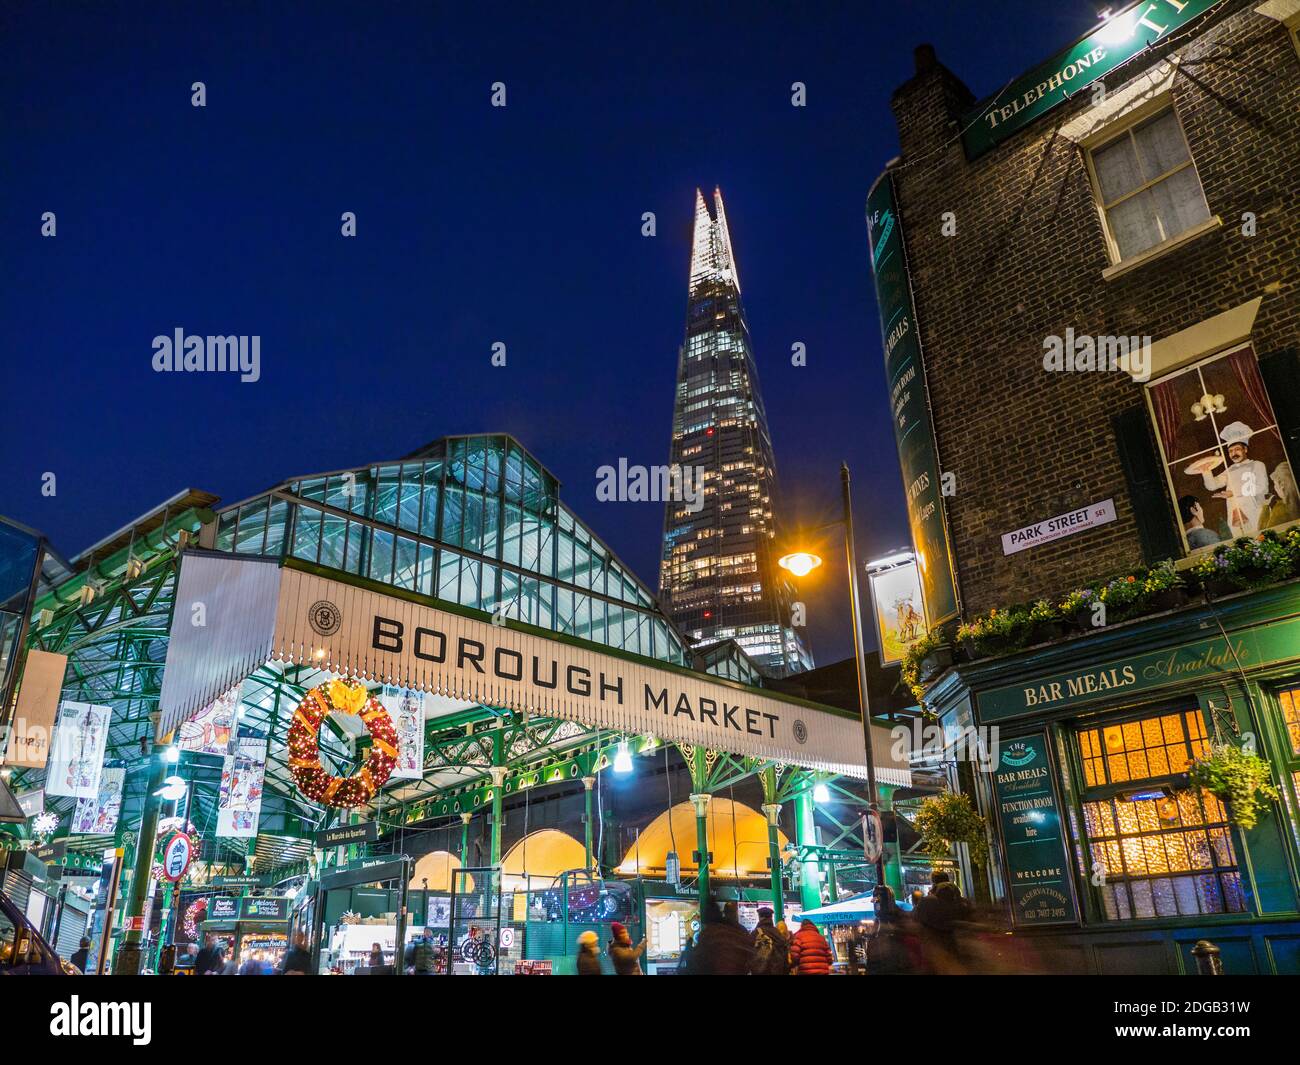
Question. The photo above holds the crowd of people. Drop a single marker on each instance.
(939, 935)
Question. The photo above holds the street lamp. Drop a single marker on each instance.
(802, 562)
(821, 793)
(623, 759)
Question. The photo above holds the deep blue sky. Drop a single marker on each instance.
(475, 225)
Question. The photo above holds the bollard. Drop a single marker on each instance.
(1208, 961)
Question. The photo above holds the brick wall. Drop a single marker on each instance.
(1027, 261)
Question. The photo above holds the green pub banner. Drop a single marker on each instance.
(1202, 662)
(910, 404)
(1037, 860)
(1030, 97)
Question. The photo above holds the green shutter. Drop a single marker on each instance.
(1146, 485)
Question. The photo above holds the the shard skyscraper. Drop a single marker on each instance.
(718, 578)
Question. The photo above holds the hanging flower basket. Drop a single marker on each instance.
(1242, 781)
(947, 819)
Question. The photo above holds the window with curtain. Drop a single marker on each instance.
(1147, 185)
(1149, 848)
(1228, 470)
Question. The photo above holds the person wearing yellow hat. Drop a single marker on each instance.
(1245, 481)
(588, 955)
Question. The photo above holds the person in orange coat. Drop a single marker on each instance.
(810, 954)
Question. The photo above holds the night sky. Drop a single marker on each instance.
(475, 225)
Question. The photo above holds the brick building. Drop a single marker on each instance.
(1031, 257)
(1134, 201)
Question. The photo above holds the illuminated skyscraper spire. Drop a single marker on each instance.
(711, 255)
(718, 578)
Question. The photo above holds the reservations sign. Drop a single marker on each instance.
(1030, 817)
(910, 405)
(1052, 83)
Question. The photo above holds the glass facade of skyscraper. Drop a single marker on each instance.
(718, 578)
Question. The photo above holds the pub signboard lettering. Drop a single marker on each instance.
(918, 455)
(1197, 662)
(1029, 815)
(1052, 83)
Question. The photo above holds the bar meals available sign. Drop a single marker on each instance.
(1052, 83)
(1067, 524)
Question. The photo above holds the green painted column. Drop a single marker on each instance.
(464, 839)
(893, 852)
(772, 810)
(498, 786)
(806, 836)
(130, 955)
(700, 800)
(587, 784)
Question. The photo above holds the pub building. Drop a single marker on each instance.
(1088, 293)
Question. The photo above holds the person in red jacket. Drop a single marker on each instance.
(810, 954)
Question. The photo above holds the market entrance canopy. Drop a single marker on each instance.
(254, 611)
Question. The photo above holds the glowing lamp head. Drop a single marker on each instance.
(800, 563)
(821, 793)
(623, 759)
(173, 788)
(172, 754)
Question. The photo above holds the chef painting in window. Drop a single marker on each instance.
(1243, 485)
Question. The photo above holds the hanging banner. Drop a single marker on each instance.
(918, 455)
(77, 754)
(900, 611)
(239, 804)
(1050, 84)
(208, 731)
(406, 707)
(28, 742)
(98, 816)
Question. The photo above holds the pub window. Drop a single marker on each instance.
(1222, 451)
(1152, 849)
(1289, 701)
(1147, 186)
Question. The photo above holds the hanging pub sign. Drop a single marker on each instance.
(918, 456)
(366, 832)
(900, 613)
(1029, 815)
(1050, 84)
(177, 854)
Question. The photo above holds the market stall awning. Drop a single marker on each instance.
(847, 911)
(358, 628)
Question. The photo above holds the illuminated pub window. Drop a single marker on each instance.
(1289, 701)
(1153, 851)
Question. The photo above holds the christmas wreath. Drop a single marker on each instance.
(194, 913)
(304, 755)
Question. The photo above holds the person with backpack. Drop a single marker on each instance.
(771, 948)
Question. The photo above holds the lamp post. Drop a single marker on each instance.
(801, 563)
